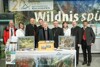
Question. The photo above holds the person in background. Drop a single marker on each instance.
(76, 31)
(31, 30)
(45, 33)
(57, 31)
(40, 27)
(41, 24)
(88, 39)
(21, 31)
(9, 31)
(66, 30)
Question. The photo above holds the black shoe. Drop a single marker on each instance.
(77, 64)
(88, 64)
(84, 63)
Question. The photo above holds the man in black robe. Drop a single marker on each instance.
(76, 31)
(57, 31)
(31, 30)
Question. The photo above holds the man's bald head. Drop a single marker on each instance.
(32, 20)
(45, 25)
(11, 23)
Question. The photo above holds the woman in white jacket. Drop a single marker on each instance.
(21, 31)
(66, 29)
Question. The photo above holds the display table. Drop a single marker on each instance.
(58, 58)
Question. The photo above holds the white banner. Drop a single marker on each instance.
(27, 5)
(60, 58)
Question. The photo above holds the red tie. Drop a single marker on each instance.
(84, 35)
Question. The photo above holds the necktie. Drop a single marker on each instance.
(84, 35)
(11, 32)
(46, 35)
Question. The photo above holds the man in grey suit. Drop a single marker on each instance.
(45, 33)
(88, 39)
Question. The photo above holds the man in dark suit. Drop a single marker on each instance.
(45, 33)
(41, 24)
(57, 31)
(40, 27)
(76, 31)
(88, 39)
(31, 30)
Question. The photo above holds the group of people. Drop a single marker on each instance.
(83, 36)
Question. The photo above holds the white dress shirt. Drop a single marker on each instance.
(67, 31)
(20, 33)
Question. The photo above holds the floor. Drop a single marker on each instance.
(2, 63)
(95, 61)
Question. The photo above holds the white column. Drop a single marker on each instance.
(1, 6)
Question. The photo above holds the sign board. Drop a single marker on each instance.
(26, 43)
(67, 42)
(26, 5)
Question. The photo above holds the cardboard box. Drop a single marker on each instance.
(46, 45)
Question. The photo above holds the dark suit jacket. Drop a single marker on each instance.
(41, 35)
(78, 35)
(40, 27)
(57, 32)
(30, 30)
(90, 36)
